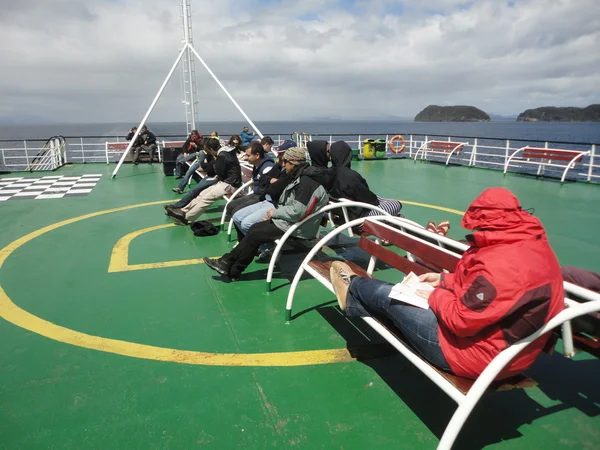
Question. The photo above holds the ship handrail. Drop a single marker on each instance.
(456, 388)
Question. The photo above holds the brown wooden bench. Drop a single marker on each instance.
(546, 157)
(419, 256)
(440, 148)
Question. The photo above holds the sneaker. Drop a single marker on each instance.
(177, 190)
(340, 274)
(167, 207)
(218, 265)
(180, 222)
(178, 215)
(265, 255)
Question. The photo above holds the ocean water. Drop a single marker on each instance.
(556, 132)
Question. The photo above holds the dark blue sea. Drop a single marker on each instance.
(557, 132)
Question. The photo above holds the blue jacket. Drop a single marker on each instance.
(246, 137)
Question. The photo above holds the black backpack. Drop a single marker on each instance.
(204, 228)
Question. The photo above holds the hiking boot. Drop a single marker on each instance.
(218, 265)
(177, 215)
(341, 275)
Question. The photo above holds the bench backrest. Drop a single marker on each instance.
(429, 255)
(117, 146)
(173, 144)
(446, 146)
(550, 154)
(246, 173)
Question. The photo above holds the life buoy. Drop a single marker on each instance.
(391, 144)
(395, 149)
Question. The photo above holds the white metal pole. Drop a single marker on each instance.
(160, 91)
(186, 34)
(226, 92)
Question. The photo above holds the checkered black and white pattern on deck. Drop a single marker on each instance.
(59, 186)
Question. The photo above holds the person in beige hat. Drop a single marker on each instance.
(301, 197)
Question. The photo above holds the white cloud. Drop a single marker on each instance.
(103, 60)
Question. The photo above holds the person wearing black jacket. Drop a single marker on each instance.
(319, 162)
(349, 184)
(149, 142)
(274, 183)
(136, 148)
(229, 176)
(188, 152)
(263, 163)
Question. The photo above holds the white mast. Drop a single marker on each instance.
(188, 81)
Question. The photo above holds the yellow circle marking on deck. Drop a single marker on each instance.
(18, 316)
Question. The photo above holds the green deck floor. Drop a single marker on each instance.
(59, 395)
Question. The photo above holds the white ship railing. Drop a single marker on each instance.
(490, 153)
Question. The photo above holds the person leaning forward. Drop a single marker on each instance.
(507, 285)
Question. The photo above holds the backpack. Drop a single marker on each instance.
(204, 228)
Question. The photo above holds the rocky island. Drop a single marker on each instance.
(566, 114)
(460, 113)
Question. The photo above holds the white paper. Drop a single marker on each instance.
(406, 291)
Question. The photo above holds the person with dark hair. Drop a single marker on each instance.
(262, 163)
(507, 285)
(267, 143)
(229, 176)
(174, 210)
(188, 152)
(299, 199)
(236, 142)
(208, 144)
(136, 148)
(148, 142)
(247, 136)
(275, 182)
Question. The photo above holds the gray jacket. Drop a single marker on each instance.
(302, 197)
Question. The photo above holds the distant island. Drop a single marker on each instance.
(567, 114)
(460, 113)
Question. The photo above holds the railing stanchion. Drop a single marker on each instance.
(591, 166)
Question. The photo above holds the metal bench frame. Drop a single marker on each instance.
(448, 146)
(466, 402)
(547, 154)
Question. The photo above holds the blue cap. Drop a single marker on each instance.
(285, 145)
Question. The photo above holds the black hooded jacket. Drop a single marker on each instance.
(227, 167)
(347, 183)
(318, 159)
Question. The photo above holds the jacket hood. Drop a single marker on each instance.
(341, 154)
(225, 148)
(318, 153)
(496, 217)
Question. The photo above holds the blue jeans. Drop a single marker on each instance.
(180, 162)
(195, 191)
(248, 216)
(191, 171)
(419, 326)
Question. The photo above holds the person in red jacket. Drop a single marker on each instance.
(505, 286)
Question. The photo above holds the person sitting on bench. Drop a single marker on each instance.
(298, 200)
(590, 323)
(505, 287)
(229, 178)
(136, 148)
(208, 145)
(188, 152)
(349, 184)
(148, 142)
(263, 163)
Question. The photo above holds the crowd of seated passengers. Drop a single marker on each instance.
(228, 178)
(299, 198)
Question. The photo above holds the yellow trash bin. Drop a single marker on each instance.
(369, 148)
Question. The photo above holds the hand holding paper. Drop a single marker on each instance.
(413, 291)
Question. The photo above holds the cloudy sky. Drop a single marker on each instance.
(104, 60)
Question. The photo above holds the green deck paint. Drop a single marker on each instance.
(55, 395)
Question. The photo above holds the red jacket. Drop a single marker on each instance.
(506, 286)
